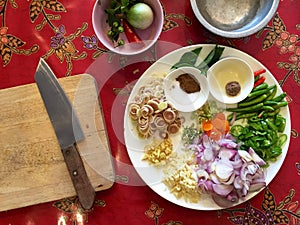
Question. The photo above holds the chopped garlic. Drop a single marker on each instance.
(158, 153)
(184, 185)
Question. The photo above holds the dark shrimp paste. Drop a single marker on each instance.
(188, 83)
(233, 88)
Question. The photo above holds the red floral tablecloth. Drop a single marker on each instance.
(61, 32)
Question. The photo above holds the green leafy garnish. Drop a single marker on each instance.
(190, 59)
(115, 13)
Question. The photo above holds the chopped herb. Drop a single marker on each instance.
(115, 13)
(189, 134)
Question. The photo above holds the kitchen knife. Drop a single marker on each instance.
(67, 129)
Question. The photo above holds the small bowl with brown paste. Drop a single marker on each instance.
(186, 89)
(230, 80)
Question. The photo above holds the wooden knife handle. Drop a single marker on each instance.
(81, 182)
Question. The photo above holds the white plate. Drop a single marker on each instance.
(153, 176)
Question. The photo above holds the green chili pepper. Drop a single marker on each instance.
(260, 133)
(280, 122)
(256, 126)
(281, 140)
(254, 119)
(236, 130)
(275, 152)
(271, 125)
(258, 138)
(250, 134)
(266, 143)
(253, 144)
(264, 125)
(278, 119)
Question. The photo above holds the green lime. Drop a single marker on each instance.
(140, 16)
(162, 106)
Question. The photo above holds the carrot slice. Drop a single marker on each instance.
(215, 134)
(227, 127)
(219, 124)
(207, 125)
(220, 115)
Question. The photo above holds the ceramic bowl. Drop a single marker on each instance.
(225, 71)
(149, 36)
(234, 18)
(178, 97)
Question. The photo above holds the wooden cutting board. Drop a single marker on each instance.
(32, 169)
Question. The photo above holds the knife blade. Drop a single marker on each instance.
(67, 129)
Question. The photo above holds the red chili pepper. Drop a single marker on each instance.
(259, 81)
(131, 36)
(259, 72)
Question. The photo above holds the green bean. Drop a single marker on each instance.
(260, 87)
(247, 109)
(268, 108)
(272, 94)
(274, 113)
(230, 116)
(252, 102)
(260, 92)
(279, 97)
(245, 115)
(280, 104)
(270, 102)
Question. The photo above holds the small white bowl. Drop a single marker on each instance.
(149, 36)
(180, 99)
(227, 70)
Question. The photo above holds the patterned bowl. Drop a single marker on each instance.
(149, 36)
(234, 18)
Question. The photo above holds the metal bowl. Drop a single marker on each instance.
(234, 18)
